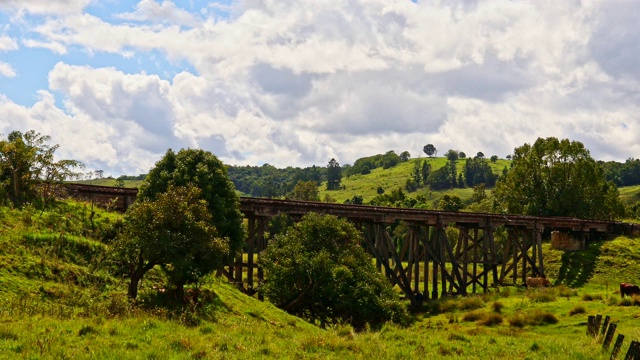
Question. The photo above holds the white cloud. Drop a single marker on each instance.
(44, 6)
(296, 83)
(7, 43)
(165, 12)
(7, 70)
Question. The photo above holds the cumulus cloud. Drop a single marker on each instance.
(165, 12)
(44, 6)
(297, 83)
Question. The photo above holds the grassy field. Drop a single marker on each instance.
(396, 177)
(61, 299)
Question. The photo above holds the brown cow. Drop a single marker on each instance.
(538, 282)
(629, 289)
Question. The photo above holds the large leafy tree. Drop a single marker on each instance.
(306, 191)
(199, 168)
(557, 178)
(318, 271)
(430, 150)
(27, 160)
(174, 231)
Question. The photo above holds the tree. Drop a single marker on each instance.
(319, 271)
(175, 231)
(425, 171)
(557, 178)
(480, 155)
(99, 173)
(334, 175)
(494, 158)
(430, 150)
(452, 155)
(405, 156)
(462, 155)
(306, 191)
(25, 160)
(203, 170)
(450, 203)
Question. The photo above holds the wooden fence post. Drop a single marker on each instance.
(609, 337)
(604, 327)
(634, 351)
(596, 328)
(591, 320)
(617, 346)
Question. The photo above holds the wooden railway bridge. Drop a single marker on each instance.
(425, 263)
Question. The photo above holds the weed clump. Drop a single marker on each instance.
(473, 316)
(497, 307)
(471, 303)
(591, 297)
(491, 320)
(541, 295)
(577, 310)
(534, 318)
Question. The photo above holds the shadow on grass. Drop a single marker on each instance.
(579, 266)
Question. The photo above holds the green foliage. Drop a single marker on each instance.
(334, 175)
(306, 191)
(450, 203)
(319, 271)
(478, 171)
(172, 231)
(557, 178)
(430, 150)
(28, 170)
(199, 168)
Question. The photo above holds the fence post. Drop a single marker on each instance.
(606, 322)
(591, 320)
(617, 346)
(609, 337)
(634, 351)
(596, 329)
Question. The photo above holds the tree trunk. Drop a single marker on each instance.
(180, 292)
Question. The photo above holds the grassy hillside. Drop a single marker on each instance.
(396, 177)
(60, 298)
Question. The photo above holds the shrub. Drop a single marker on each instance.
(577, 310)
(319, 271)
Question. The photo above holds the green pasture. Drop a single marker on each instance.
(60, 299)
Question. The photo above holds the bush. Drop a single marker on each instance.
(532, 317)
(319, 271)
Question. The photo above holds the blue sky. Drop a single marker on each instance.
(285, 82)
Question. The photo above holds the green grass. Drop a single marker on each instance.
(396, 177)
(59, 299)
(630, 194)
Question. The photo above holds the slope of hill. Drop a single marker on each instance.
(396, 178)
(62, 298)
